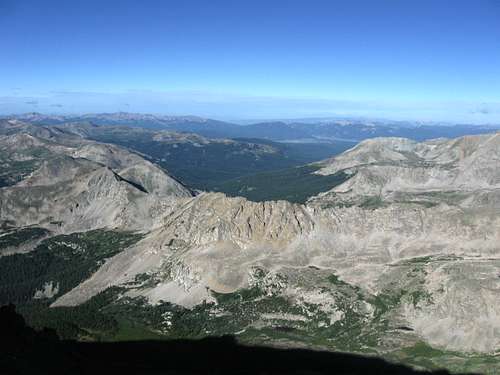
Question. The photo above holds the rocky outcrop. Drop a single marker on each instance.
(416, 224)
(210, 241)
(77, 186)
(435, 199)
(400, 170)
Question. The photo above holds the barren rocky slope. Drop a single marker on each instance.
(464, 170)
(71, 184)
(439, 260)
(404, 255)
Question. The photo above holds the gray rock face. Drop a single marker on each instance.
(396, 169)
(408, 200)
(417, 224)
(207, 241)
(82, 185)
(212, 242)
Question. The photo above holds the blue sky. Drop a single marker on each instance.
(402, 59)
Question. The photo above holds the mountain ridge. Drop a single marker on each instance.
(409, 239)
(191, 264)
(354, 130)
(86, 176)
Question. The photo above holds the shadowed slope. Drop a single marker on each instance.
(25, 351)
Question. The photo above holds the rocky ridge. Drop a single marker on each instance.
(415, 229)
(212, 243)
(463, 170)
(74, 184)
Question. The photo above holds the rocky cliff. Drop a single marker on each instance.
(449, 227)
(411, 239)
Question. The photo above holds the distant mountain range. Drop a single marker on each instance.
(314, 130)
(394, 251)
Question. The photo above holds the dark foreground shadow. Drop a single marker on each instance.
(26, 351)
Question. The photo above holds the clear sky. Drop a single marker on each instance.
(403, 59)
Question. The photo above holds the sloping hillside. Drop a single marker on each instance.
(69, 183)
(463, 171)
(400, 259)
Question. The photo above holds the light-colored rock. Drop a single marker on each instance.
(84, 185)
(49, 290)
(397, 169)
(439, 198)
